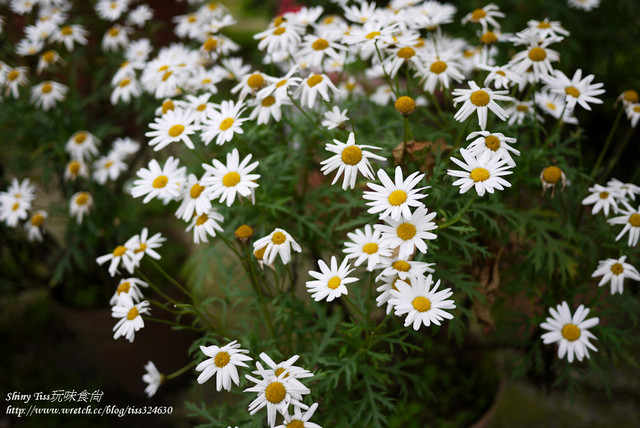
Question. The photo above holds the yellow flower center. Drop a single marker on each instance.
(296, 423)
(46, 88)
(259, 253)
(401, 265)
(552, 174)
(405, 105)
(479, 174)
(108, 165)
(166, 76)
(314, 80)
(15, 206)
(205, 81)
(201, 107)
(478, 14)
(537, 54)
(279, 371)
(421, 304)
(278, 238)
(320, 45)
(281, 83)
(13, 75)
(488, 38)
(244, 232)
(397, 197)
(124, 287)
(37, 220)
(480, 98)
(630, 96)
(210, 44)
(279, 31)
(372, 34)
(636, 109)
(221, 359)
(268, 101)
(438, 67)
(80, 138)
(176, 130)
(334, 282)
(275, 392)
(370, 248)
(48, 56)
(163, 68)
(522, 107)
(406, 231)
(544, 25)
(604, 195)
(113, 32)
(570, 332)
(196, 190)
(230, 179)
(191, 18)
(492, 142)
(66, 30)
(133, 314)
(160, 181)
(351, 155)
(573, 91)
(119, 251)
(255, 81)
(82, 199)
(406, 52)
(634, 220)
(124, 82)
(551, 106)
(617, 269)
(201, 219)
(278, 21)
(141, 248)
(167, 106)
(226, 124)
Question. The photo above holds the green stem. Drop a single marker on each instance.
(457, 143)
(355, 308)
(182, 370)
(406, 142)
(616, 158)
(171, 323)
(155, 288)
(169, 277)
(460, 214)
(607, 143)
(386, 75)
(325, 133)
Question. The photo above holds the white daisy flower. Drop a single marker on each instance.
(108, 168)
(47, 94)
(80, 204)
(626, 190)
(603, 199)
(422, 302)
(124, 147)
(501, 77)
(199, 107)
(483, 173)
(571, 331)
(15, 78)
(314, 49)
(555, 105)
(34, 225)
(389, 284)
(130, 315)
(278, 242)
(223, 362)
(115, 38)
(11, 212)
(266, 108)
(395, 199)
(175, 125)
(404, 53)
(223, 124)
(250, 84)
(165, 182)
(335, 118)
(298, 420)
(484, 16)
(82, 145)
(584, 4)
(394, 267)
(125, 89)
(479, 100)
(441, 69)
(631, 220)
(546, 28)
(71, 34)
(111, 10)
(205, 224)
(632, 111)
(331, 281)
(615, 271)
(369, 35)
(550, 177)
(140, 15)
(196, 198)
(576, 90)
(366, 246)
(537, 57)
(276, 394)
(521, 110)
(494, 143)
(315, 84)
(281, 38)
(349, 158)
(143, 244)
(286, 367)
(153, 378)
(120, 254)
(408, 234)
(234, 177)
(280, 87)
(130, 286)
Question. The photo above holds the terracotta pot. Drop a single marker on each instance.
(120, 362)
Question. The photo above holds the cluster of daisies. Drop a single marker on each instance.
(15, 204)
(127, 304)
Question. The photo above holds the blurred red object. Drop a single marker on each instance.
(285, 6)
